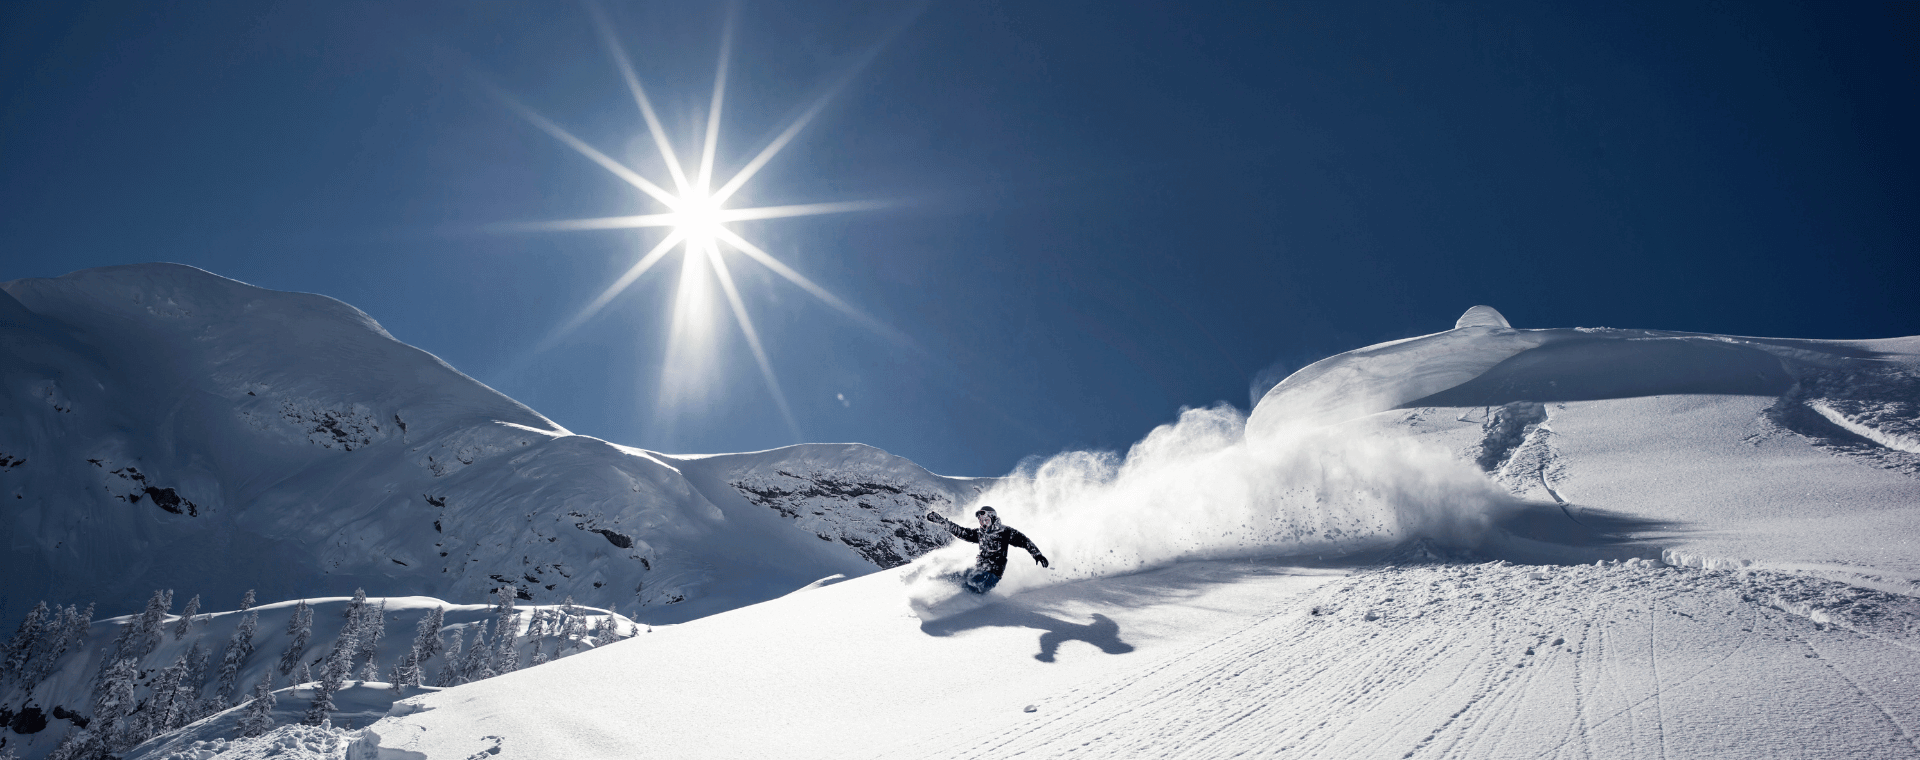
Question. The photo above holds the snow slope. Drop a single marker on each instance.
(161, 426)
(1234, 659)
(1491, 542)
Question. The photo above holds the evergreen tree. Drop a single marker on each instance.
(507, 657)
(302, 674)
(539, 657)
(78, 744)
(258, 718)
(332, 679)
(246, 602)
(197, 657)
(238, 648)
(71, 631)
(36, 626)
(372, 627)
(122, 643)
(506, 634)
(450, 668)
(186, 618)
(321, 706)
(148, 629)
(371, 672)
(333, 676)
(573, 627)
(353, 607)
(405, 673)
(479, 664)
(299, 629)
(426, 636)
(163, 711)
(113, 706)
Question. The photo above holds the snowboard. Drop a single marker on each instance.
(945, 595)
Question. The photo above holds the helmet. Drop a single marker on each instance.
(987, 515)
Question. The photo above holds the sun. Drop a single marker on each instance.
(697, 217)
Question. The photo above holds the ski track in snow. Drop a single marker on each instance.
(1504, 661)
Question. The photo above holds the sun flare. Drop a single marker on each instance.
(697, 218)
(697, 221)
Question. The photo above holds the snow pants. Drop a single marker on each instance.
(980, 580)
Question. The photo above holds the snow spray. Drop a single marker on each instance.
(1203, 487)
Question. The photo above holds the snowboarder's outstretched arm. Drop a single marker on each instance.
(1016, 538)
(969, 535)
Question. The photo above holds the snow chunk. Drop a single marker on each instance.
(1482, 316)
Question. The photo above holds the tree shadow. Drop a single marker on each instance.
(1103, 632)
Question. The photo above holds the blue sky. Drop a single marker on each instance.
(1101, 211)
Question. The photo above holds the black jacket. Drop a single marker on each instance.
(993, 541)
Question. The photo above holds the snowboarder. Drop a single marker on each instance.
(993, 537)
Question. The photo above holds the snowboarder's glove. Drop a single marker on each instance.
(1041, 559)
(935, 518)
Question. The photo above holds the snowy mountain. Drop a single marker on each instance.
(162, 427)
(1484, 542)
(1487, 542)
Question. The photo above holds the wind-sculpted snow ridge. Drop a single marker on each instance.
(160, 424)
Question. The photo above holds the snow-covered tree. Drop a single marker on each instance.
(539, 657)
(37, 625)
(235, 657)
(299, 629)
(537, 623)
(506, 633)
(353, 607)
(78, 744)
(163, 711)
(334, 675)
(197, 657)
(506, 655)
(121, 646)
(246, 602)
(479, 664)
(113, 706)
(371, 628)
(148, 629)
(405, 673)
(302, 674)
(71, 630)
(573, 626)
(258, 718)
(321, 707)
(450, 668)
(426, 635)
(186, 618)
(370, 672)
